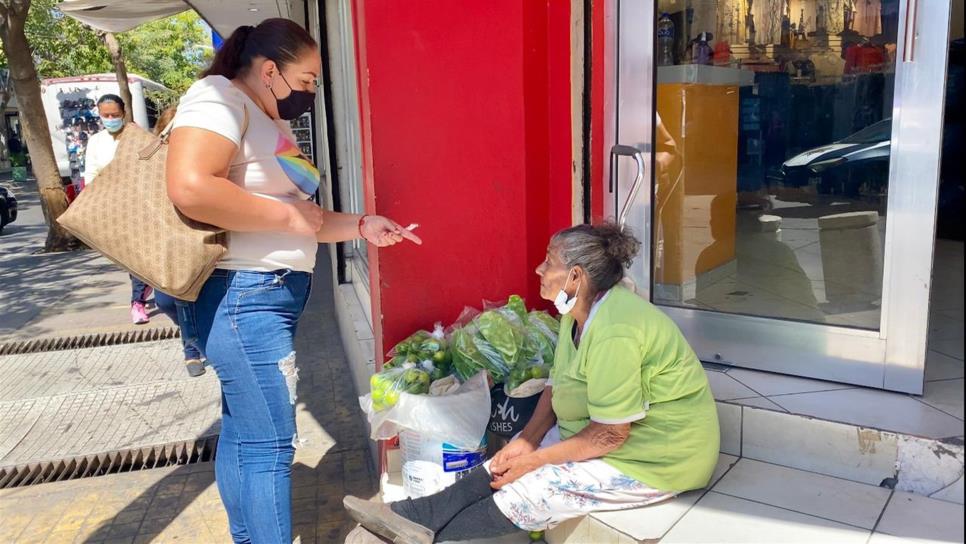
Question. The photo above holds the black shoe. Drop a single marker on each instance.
(378, 518)
(194, 367)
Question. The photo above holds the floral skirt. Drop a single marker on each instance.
(553, 494)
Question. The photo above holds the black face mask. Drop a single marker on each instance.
(295, 104)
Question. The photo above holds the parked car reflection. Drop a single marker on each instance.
(855, 166)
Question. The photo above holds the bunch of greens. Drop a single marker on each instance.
(511, 344)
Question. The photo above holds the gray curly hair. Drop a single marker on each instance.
(604, 251)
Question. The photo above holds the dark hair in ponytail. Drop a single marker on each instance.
(280, 40)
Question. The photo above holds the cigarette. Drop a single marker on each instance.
(412, 226)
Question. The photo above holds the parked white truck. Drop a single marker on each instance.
(71, 107)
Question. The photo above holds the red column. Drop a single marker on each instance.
(596, 83)
(465, 112)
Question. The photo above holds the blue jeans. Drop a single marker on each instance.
(139, 290)
(177, 311)
(246, 326)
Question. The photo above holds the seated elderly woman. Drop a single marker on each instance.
(626, 420)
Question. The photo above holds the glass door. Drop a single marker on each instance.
(791, 152)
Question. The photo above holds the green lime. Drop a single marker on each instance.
(536, 536)
(538, 372)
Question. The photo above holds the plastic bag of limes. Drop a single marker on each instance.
(423, 346)
(386, 386)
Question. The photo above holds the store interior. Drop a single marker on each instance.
(773, 143)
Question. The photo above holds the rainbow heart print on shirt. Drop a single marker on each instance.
(299, 169)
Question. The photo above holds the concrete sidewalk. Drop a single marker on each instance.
(64, 405)
(60, 294)
(181, 503)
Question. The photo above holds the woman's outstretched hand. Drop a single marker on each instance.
(384, 232)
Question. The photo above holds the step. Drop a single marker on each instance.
(866, 461)
(925, 466)
(752, 501)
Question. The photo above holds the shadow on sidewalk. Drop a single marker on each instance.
(32, 282)
(333, 461)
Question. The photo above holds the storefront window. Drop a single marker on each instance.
(773, 139)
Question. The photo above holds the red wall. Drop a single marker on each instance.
(466, 130)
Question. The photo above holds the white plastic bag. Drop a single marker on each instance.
(459, 419)
(430, 465)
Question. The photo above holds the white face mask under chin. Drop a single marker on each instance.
(564, 302)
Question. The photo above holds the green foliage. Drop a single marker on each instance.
(171, 51)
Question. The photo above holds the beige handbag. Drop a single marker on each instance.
(127, 216)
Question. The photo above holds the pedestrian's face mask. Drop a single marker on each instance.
(113, 125)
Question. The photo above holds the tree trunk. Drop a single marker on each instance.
(5, 95)
(4, 144)
(117, 57)
(26, 86)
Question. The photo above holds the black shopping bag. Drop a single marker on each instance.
(510, 415)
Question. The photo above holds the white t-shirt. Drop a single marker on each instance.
(269, 165)
(100, 151)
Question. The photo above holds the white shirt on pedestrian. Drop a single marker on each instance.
(100, 151)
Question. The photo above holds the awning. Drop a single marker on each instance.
(223, 15)
(120, 15)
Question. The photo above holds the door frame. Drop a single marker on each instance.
(892, 357)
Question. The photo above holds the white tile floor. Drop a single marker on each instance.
(761, 502)
(791, 274)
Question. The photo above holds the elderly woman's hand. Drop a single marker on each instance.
(514, 469)
(517, 447)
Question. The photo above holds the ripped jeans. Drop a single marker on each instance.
(246, 327)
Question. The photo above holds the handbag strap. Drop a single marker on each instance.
(166, 133)
(153, 147)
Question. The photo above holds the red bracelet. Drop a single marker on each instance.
(362, 221)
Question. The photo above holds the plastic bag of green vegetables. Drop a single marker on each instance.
(386, 386)
(548, 323)
(467, 359)
(504, 331)
(515, 304)
(537, 346)
(527, 378)
(541, 336)
(496, 364)
(422, 346)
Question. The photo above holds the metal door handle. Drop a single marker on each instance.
(909, 31)
(626, 151)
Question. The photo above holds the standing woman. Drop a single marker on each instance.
(233, 163)
(100, 151)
